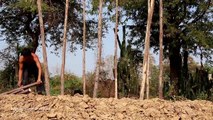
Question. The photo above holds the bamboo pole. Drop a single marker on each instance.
(19, 89)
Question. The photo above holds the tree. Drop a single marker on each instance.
(187, 26)
(64, 47)
(115, 51)
(84, 45)
(161, 51)
(21, 21)
(147, 46)
(98, 64)
(128, 67)
(47, 85)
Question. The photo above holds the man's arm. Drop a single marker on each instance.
(38, 64)
(20, 71)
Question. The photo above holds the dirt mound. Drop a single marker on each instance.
(36, 107)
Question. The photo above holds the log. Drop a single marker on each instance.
(16, 90)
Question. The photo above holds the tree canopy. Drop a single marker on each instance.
(20, 24)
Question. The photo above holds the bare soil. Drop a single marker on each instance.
(37, 107)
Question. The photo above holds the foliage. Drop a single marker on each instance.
(7, 78)
(154, 81)
(72, 83)
(9, 62)
(195, 86)
(105, 85)
(20, 21)
(128, 66)
(31, 6)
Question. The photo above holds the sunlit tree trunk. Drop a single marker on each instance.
(84, 46)
(115, 52)
(161, 51)
(147, 45)
(98, 64)
(64, 47)
(47, 85)
(147, 78)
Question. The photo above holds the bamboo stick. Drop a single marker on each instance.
(20, 88)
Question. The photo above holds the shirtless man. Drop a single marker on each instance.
(29, 65)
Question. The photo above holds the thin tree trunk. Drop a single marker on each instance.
(115, 51)
(64, 47)
(147, 44)
(147, 79)
(47, 85)
(160, 87)
(98, 64)
(84, 46)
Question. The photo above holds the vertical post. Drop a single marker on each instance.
(64, 47)
(47, 86)
(147, 45)
(161, 51)
(98, 64)
(115, 51)
(147, 78)
(84, 45)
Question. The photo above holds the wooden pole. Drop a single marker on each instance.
(115, 52)
(41, 23)
(160, 88)
(147, 45)
(64, 48)
(20, 88)
(84, 47)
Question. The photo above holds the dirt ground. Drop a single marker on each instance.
(37, 107)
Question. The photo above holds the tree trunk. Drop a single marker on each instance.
(147, 78)
(184, 71)
(175, 68)
(47, 85)
(84, 46)
(64, 48)
(115, 52)
(98, 64)
(147, 45)
(160, 87)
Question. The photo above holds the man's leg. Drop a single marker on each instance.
(25, 77)
(41, 88)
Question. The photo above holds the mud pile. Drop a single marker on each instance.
(37, 107)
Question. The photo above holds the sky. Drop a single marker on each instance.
(74, 60)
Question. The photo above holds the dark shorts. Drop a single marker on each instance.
(30, 75)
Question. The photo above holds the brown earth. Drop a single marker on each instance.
(37, 107)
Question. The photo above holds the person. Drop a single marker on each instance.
(29, 65)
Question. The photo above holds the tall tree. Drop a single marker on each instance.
(98, 64)
(47, 85)
(147, 46)
(64, 47)
(160, 87)
(84, 46)
(115, 51)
